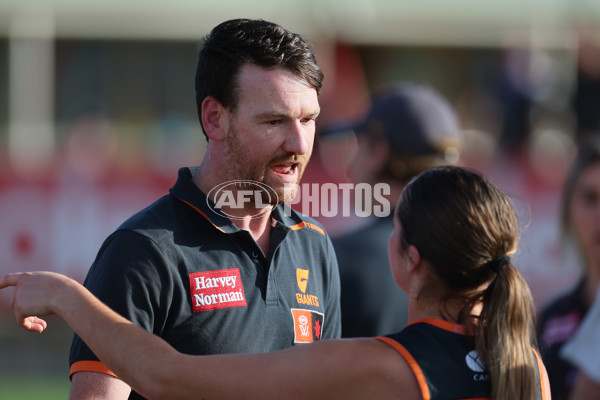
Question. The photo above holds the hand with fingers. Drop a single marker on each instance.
(34, 296)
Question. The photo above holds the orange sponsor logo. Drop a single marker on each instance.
(307, 325)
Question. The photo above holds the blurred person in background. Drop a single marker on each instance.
(586, 93)
(457, 346)
(583, 351)
(229, 279)
(408, 129)
(580, 221)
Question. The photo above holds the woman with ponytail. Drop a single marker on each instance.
(463, 229)
(470, 336)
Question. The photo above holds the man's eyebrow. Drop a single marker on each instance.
(276, 114)
(272, 114)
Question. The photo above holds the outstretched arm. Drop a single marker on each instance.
(38, 294)
(361, 368)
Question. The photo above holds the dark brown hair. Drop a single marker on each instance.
(234, 43)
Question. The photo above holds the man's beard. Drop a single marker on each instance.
(241, 166)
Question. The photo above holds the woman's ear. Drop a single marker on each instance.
(215, 119)
(409, 273)
(414, 259)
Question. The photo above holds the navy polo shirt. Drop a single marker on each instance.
(182, 271)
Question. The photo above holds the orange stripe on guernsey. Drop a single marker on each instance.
(201, 213)
(90, 366)
(440, 323)
(542, 371)
(411, 363)
(304, 224)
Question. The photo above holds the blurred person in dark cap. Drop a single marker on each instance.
(409, 128)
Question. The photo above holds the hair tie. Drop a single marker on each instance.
(498, 263)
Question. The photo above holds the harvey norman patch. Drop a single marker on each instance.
(212, 290)
(307, 325)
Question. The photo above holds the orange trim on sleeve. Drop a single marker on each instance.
(201, 213)
(421, 381)
(542, 372)
(305, 224)
(90, 366)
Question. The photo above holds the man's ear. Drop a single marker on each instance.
(215, 119)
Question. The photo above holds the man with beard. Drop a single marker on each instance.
(216, 266)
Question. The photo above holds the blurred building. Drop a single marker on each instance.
(97, 103)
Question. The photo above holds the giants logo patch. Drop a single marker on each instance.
(302, 281)
(307, 325)
(302, 278)
(211, 290)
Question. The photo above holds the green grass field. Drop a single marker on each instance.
(32, 387)
(34, 366)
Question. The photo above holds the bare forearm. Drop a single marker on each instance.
(138, 357)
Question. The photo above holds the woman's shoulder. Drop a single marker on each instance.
(391, 366)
